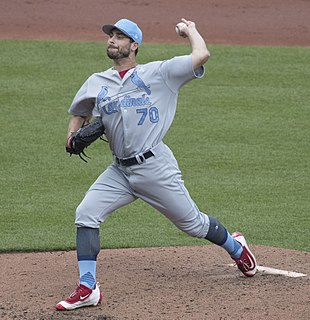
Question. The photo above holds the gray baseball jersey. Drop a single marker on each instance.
(137, 112)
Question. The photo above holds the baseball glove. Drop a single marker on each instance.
(82, 138)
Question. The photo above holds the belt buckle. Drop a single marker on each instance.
(140, 158)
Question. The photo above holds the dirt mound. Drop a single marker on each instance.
(158, 283)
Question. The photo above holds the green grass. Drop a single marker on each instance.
(241, 135)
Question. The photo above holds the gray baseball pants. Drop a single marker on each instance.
(157, 181)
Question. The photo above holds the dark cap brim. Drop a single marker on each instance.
(107, 28)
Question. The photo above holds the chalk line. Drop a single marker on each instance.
(268, 270)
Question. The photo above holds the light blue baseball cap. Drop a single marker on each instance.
(128, 27)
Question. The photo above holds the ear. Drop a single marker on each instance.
(134, 46)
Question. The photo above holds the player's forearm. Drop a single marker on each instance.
(76, 123)
(200, 52)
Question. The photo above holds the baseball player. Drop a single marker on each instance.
(135, 105)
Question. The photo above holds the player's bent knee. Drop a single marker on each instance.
(196, 233)
(85, 218)
(195, 225)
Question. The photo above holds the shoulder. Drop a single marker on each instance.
(98, 76)
(105, 73)
(148, 66)
(156, 64)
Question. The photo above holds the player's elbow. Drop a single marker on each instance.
(204, 56)
(200, 57)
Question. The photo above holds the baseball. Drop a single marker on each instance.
(178, 29)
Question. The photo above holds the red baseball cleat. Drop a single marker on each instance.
(247, 262)
(81, 297)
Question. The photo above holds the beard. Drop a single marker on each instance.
(115, 53)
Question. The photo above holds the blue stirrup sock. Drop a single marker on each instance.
(217, 234)
(232, 246)
(87, 269)
(87, 247)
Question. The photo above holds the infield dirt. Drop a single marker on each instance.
(159, 283)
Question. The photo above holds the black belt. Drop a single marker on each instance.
(131, 161)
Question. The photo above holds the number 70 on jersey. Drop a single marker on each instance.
(150, 114)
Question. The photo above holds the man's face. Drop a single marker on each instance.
(119, 45)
